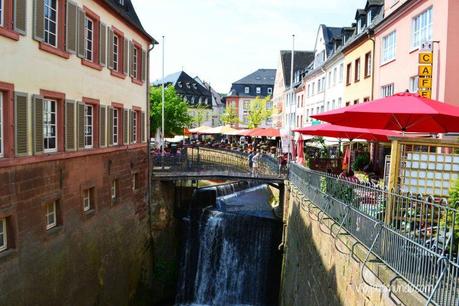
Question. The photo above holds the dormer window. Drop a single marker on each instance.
(121, 2)
(180, 84)
(188, 85)
(369, 18)
(195, 86)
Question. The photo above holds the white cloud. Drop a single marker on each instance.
(223, 40)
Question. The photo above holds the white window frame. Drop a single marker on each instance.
(387, 90)
(134, 126)
(2, 15)
(2, 154)
(341, 72)
(89, 39)
(421, 28)
(246, 89)
(270, 90)
(115, 125)
(258, 90)
(88, 127)
(134, 66)
(51, 213)
(3, 234)
(87, 205)
(389, 46)
(114, 189)
(49, 21)
(47, 126)
(414, 84)
(116, 44)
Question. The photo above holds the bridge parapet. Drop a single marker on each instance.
(208, 161)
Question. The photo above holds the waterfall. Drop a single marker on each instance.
(235, 255)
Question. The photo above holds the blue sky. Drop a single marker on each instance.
(221, 41)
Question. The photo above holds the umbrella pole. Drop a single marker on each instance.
(350, 155)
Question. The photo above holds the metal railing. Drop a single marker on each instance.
(203, 159)
(412, 235)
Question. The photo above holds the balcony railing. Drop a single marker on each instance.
(415, 236)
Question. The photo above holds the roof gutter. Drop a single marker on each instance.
(371, 36)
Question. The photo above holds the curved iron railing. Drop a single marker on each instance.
(203, 159)
(413, 236)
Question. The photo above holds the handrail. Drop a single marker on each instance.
(430, 265)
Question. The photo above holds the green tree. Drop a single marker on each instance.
(258, 111)
(230, 116)
(200, 112)
(176, 116)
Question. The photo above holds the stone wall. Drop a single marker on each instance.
(318, 270)
(101, 257)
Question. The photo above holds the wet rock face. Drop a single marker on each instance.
(230, 256)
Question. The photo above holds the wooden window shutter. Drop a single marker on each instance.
(125, 126)
(110, 49)
(144, 66)
(110, 126)
(37, 127)
(71, 28)
(103, 44)
(125, 56)
(80, 36)
(80, 119)
(103, 126)
(70, 125)
(39, 20)
(20, 119)
(131, 59)
(142, 127)
(20, 16)
(131, 125)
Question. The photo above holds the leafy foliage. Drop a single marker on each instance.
(175, 111)
(230, 116)
(258, 111)
(360, 162)
(451, 219)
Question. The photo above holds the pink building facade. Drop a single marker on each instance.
(406, 25)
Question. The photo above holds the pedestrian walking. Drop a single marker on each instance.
(256, 162)
(250, 159)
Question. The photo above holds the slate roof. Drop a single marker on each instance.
(374, 2)
(128, 13)
(330, 35)
(259, 77)
(301, 62)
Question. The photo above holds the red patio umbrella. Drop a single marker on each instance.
(338, 131)
(404, 112)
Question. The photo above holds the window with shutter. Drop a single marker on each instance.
(81, 34)
(2, 13)
(40, 117)
(115, 126)
(125, 56)
(49, 125)
(91, 40)
(20, 16)
(131, 59)
(21, 118)
(70, 125)
(39, 20)
(8, 20)
(134, 127)
(110, 49)
(103, 45)
(143, 127)
(71, 29)
(80, 118)
(102, 126)
(51, 27)
(144, 65)
(137, 64)
(125, 125)
(110, 126)
(88, 126)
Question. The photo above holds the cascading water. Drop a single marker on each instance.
(234, 258)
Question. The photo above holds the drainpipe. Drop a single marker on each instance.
(370, 37)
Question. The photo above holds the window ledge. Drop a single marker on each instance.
(136, 81)
(89, 213)
(53, 50)
(118, 74)
(387, 62)
(7, 254)
(54, 230)
(367, 76)
(9, 33)
(92, 65)
(356, 81)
